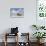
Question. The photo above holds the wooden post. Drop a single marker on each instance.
(5, 39)
(17, 39)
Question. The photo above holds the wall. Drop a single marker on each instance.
(23, 23)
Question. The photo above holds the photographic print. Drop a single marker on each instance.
(17, 12)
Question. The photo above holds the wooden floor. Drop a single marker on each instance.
(13, 44)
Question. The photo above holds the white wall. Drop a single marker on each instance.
(23, 23)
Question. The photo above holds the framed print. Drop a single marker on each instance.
(41, 8)
(17, 12)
